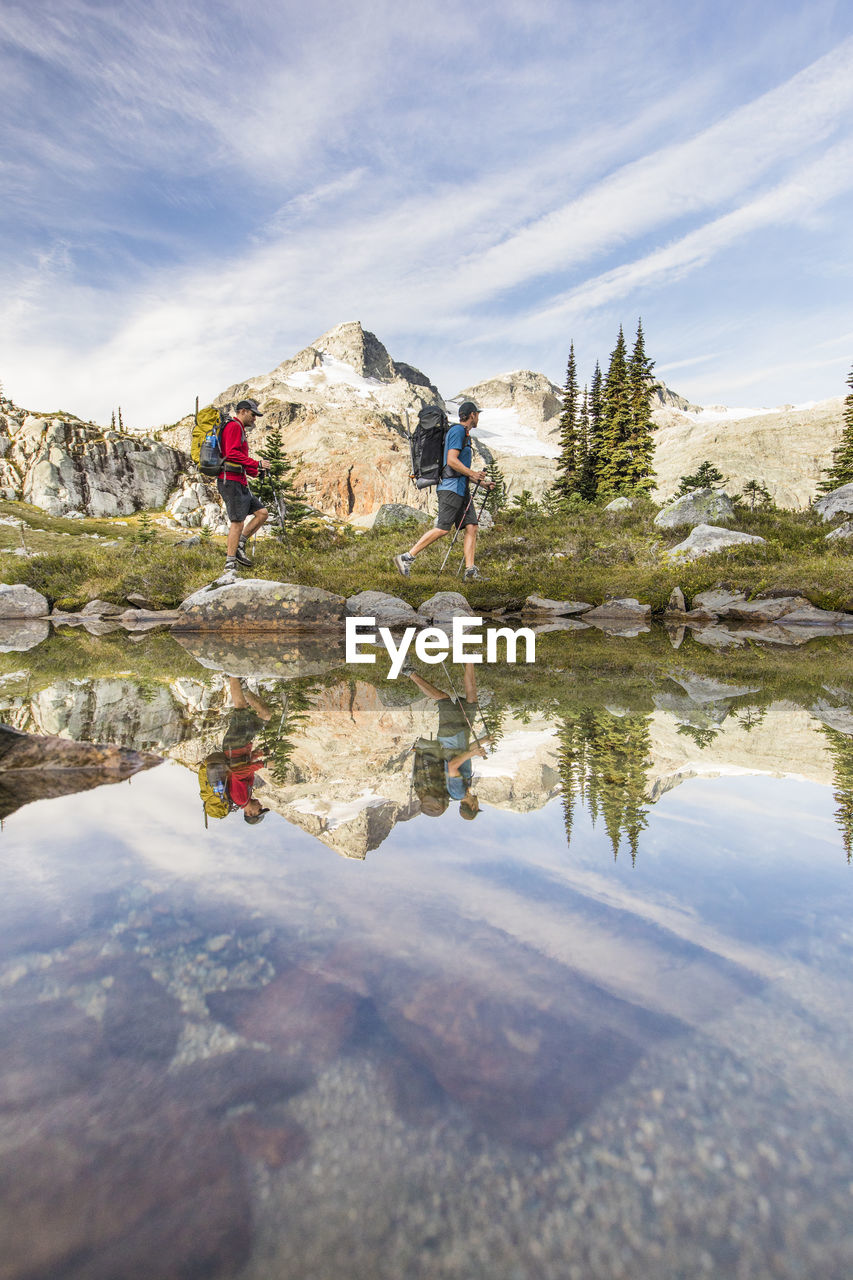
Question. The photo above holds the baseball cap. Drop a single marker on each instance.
(253, 818)
(466, 408)
(252, 406)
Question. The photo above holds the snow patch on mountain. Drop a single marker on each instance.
(503, 430)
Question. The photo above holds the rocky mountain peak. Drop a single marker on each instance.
(359, 348)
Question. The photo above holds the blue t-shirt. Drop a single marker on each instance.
(456, 438)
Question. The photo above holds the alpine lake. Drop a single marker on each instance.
(523, 972)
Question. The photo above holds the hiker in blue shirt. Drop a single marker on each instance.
(455, 499)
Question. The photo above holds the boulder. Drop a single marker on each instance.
(705, 539)
(19, 601)
(676, 602)
(258, 604)
(389, 611)
(444, 606)
(619, 504)
(559, 608)
(101, 609)
(626, 610)
(842, 533)
(717, 600)
(392, 514)
(701, 506)
(836, 502)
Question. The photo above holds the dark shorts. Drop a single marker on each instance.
(243, 724)
(455, 509)
(455, 720)
(239, 500)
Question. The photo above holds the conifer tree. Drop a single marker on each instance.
(614, 456)
(496, 498)
(279, 484)
(120, 424)
(594, 438)
(706, 476)
(841, 471)
(586, 484)
(569, 462)
(113, 421)
(640, 474)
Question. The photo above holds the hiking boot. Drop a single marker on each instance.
(472, 575)
(232, 564)
(242, 556)
(403, 563)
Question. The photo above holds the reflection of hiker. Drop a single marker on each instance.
(242, 759)
(442, 768)
(455, 499)
(233, 488)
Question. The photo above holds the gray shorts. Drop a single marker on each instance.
(455, 509)
(239, 500)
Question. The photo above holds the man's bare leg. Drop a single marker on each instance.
(469, 544)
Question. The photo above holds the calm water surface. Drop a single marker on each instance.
(602, 1028)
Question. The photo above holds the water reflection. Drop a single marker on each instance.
(487, 1051)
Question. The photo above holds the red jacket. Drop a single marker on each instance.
(235, 450)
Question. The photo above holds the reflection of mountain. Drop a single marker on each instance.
(343, 768)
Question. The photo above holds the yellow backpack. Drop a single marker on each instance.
(212, 779)
(206, 428)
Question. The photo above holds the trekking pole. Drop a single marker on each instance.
(459, 526)
(479, 513)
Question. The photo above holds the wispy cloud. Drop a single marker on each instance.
(223, 184)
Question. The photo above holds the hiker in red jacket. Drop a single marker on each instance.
(233, 488)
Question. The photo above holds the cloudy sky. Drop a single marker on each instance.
(190, 192)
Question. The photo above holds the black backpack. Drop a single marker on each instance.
(427, 446)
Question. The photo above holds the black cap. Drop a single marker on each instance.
(466, 408)
(253, 818)
(251, 405)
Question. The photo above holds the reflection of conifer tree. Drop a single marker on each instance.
(289, 713)
(603, 760)
(841, 750)
(703, 737)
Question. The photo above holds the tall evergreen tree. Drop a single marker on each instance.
(569, 462)
(841, 471)
(586, 485)
(640, 474)
(496, 499)
(279, 482)
(596, 426)
(614, 457)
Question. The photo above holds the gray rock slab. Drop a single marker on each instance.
(444, 606)
(842, 533)
(625, 610)
(717, 600)
(718, 637)
(809, 615)
(561, 608)
(705, 539)
(101, 609)
(702, 506)
(619, 504)
(388, 610)
(837, 502)
(769, 610)
(258, 604)
(19, 601)
(392, 514)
